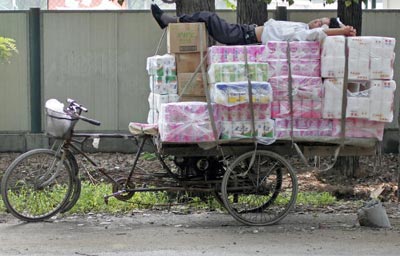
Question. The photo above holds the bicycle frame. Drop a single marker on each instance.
(70, 145)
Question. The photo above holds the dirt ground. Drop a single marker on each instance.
(199, 233)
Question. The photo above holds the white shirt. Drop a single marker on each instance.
(275, 30)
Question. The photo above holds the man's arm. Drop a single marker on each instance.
(343, 31)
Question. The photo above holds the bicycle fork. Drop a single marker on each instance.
(125, 186)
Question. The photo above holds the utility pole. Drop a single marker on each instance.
(373, 4)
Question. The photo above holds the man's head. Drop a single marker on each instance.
(329, 22)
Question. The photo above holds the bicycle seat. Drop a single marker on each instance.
(142, 128)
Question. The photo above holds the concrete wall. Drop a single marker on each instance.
(99, 59)
(391, 4)
(14, 80)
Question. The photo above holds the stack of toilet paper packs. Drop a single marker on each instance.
(310, 107)
(163, 84)
(306, 92)
(370, 91)
(229, 90)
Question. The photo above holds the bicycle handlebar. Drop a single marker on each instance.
(74, 105)
(91, 121)
(77, 109)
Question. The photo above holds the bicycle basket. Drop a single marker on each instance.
(59, 124)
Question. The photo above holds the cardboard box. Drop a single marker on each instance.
(188, 62)
(193, 98)
(186, 37)
(196, 88)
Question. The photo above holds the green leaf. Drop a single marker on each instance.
(7, 48)
(347, 3)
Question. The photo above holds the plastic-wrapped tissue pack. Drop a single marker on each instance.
(236, 53)
(359, 128)
(303, 87)
(302, 127)
(236, 72)
(243, 112)
(243, 129)
(187, 122)
(230, 94)
(305, 50)
(301, 109)
(161, 65)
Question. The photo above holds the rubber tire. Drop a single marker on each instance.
(13, 169)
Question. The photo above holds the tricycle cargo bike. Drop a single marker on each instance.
(253, 182)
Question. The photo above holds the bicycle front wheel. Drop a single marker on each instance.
(37, 185)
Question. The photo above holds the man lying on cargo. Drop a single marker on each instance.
(272, 30)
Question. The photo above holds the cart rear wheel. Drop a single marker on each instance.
(259, 188)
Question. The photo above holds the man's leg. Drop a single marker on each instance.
(219, 29)
(222, 31)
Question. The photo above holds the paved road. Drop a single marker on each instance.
(196, 234)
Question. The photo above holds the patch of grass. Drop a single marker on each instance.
(149, 156)
(2, 207)
(315, 198)
(92, 200)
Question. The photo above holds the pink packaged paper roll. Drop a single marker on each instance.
(224, 113)
(187, 132)
(185, 111)
(282, 123)
(187, 122)
(262, 111)
(215, 55)
(316, 109)
(236, 53)
(359, 128)
(280, 85)
(306, 124)
(257, 53)
(301, 67)
(303, 127)
(277, 50)
(304, 50)
(234, 113)
(306, 109)
(278, 68)
(242, 112)
(280, 109)
(282, 134)
(303, 87)
(301, 109)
